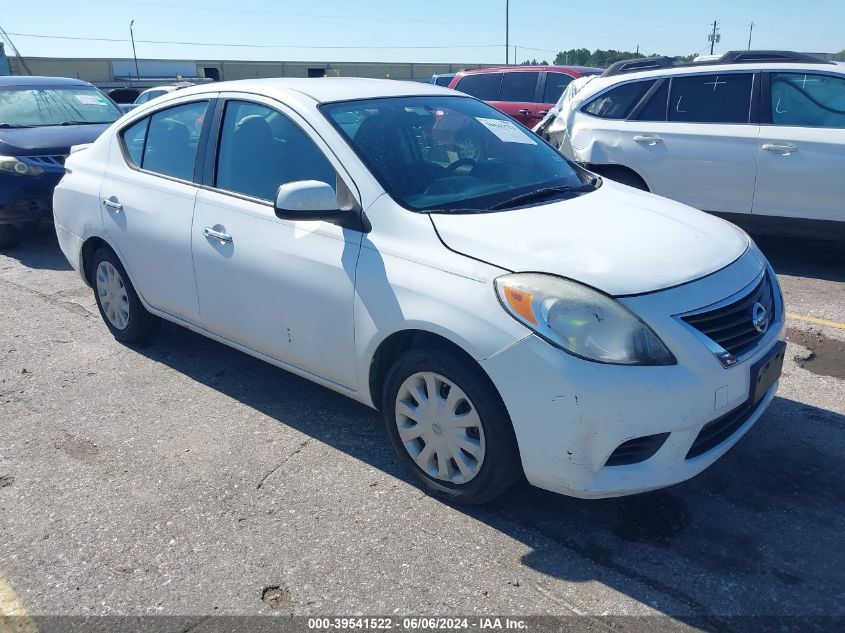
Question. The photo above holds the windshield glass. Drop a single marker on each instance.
(34, 106)
(452, 154)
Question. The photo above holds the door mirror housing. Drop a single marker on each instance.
(313, 200)
(306, 200)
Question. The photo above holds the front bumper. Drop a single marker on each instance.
(571, 415)
(26, 200)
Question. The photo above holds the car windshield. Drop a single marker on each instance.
(453, 154)
(35, 106)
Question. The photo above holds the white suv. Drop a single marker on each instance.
(755, 136)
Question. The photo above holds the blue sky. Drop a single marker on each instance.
(460, 31)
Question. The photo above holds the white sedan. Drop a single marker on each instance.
(515, 315)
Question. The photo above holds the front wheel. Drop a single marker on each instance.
(448, 424)
(120, 307)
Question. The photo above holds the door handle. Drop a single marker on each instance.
(524, 111)
(223, 238)
(786, 148)
(112, 205)
(651, 140)
(543, 112)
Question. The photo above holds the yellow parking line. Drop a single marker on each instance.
(816, 321)
(13, 615)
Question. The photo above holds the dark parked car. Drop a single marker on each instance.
(40, 119)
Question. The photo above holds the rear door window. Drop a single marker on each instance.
(808, 100)
(172, 138)
(519, 87)
(618, 102)
(555, 85)
(711, 98)
(484, 86)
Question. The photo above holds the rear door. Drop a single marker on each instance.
(801, 150)
(147, 194)
(518, 96)
(693, 138)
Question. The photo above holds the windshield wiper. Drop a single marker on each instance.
(84, 122)
(539, 194)
(13, 125)
(455, 211)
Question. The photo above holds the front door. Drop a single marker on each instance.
(801, 165)
(279, 287)
(148, 197)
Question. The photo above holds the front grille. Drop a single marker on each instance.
(636, 450)
(730, 326)
(714, 433)
(48, 162)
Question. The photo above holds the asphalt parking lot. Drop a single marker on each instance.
(186, 478)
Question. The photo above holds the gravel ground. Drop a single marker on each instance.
(186, 478)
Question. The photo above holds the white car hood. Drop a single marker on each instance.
(616, 239)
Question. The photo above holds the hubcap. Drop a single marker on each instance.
(112, 294)
(440, 428)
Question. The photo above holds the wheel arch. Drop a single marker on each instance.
(608, 169)
(86, 256)
(397, 343)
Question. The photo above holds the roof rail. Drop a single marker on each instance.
(731, 57)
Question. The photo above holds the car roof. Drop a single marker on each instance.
(553, 67)
(600, 83)
(326, 89)
(17, 80)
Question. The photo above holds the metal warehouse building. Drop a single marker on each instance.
(111, 73)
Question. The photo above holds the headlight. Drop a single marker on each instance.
(12, 165)
(580, 320)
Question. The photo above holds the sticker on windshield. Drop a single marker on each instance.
(506, 131)
(91, 100)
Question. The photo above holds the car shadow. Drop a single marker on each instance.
(760, 532)
(804, 257)
(38, 249)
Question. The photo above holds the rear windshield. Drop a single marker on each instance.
(34, 106)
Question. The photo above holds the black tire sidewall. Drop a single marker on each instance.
(501, 467)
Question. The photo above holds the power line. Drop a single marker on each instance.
(230, 45)
(318, 16)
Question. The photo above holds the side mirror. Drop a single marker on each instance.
(313, 200)
(306, 200)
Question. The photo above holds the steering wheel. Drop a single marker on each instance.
(451, 169)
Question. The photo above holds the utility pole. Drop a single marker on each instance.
(638, 50)
(714, 36)
(750, 31)
(134, 55)
(507, 20)
(514, 55)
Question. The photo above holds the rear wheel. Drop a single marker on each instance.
(449, 426)
(120, 307)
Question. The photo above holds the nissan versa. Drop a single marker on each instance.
(40, 119)
(515, 314)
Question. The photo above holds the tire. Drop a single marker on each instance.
(119, 305)
(492, 466)
(621, 175)
(8, 235)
